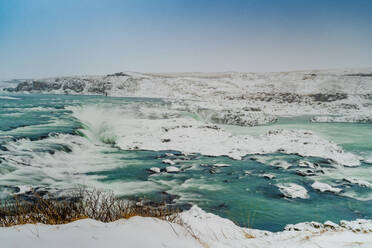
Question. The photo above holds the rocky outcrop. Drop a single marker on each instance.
(350, 118)
(323, 187)
(38, 86)
(74, 85)
(242, 118)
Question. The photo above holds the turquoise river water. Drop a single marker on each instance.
(42, 145)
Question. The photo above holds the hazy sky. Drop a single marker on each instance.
(41, 38)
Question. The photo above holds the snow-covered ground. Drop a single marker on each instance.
(198, 229)
(233, 97)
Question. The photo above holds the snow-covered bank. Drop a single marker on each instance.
(199, 229)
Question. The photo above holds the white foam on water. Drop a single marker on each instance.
(108, 127)
(200, 184)
(344, 176)
(33, 165)
(9, 98)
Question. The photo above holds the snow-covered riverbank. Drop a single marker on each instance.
(199, 229)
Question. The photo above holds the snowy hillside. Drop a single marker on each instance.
(237, 98)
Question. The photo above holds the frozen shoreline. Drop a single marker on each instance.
(199, 229)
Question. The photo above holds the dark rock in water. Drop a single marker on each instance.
(268, 176)
(169, 198)
(3, 148)
(305, 173)
(321, 171)
(221, 206)
(205, 165)
(10, 89)
(168, 154)
(247, 172)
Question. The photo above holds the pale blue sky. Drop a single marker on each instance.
(40, 38)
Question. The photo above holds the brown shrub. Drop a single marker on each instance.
(96, 205)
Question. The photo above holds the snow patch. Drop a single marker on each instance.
(172, 169)
(293, 190)
(323, 187)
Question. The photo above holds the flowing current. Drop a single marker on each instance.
(56, 143)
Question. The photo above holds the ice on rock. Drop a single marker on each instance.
(331, 225)
(306, 164)
(154, 170)
(172, 169)
(359, 225)
(323, 187)
(359, 182)
(168, 161)
(268, 176)
(24, 189)
(292, 190)
(305, 226)
(221, 165)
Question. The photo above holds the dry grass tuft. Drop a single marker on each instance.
(248, 235)
(83, 204)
